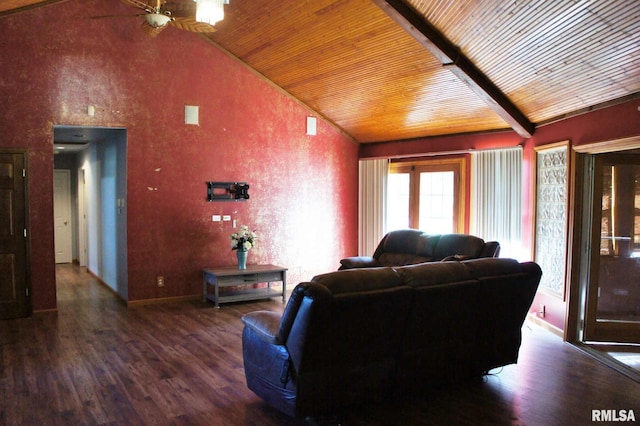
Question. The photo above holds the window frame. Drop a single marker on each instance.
(414, 168)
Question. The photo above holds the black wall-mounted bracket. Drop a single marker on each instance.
(227, 191)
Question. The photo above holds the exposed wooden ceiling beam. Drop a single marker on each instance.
(28, 5)
(451, 57)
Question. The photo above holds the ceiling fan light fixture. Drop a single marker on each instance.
(210, 11)
(157, 20)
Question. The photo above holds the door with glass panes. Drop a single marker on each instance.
(613, 295)
(426, 195)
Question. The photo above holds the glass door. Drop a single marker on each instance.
(613, 293)
(426, 195)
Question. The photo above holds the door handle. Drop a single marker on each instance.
(65, 223)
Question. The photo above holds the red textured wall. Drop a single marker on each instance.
(303, 188)
(615, 122)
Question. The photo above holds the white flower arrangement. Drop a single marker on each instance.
(244, 239)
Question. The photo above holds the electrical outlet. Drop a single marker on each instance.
(160, 280)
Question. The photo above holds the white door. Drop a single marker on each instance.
(62, 215)
(82, 218)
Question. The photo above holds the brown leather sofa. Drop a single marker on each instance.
(411, 246)
(360, 335)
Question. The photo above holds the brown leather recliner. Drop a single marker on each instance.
(364, 335)
(412, 246)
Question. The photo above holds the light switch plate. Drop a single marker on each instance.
(311, 126)
(191, 115)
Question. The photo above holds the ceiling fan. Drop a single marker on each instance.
(181, 14)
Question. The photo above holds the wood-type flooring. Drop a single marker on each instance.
(95, 361)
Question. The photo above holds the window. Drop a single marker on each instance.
(398, 195)
(426, 195)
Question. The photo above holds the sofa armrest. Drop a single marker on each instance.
(267, 367)
(359, 262)
(491, 249)
(265, 324)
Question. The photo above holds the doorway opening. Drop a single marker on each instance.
(612, 311)
(94, 159)
(606, 304)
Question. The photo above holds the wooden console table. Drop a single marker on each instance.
(244, 279)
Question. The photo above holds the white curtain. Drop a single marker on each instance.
(372, 204)
(496, 199)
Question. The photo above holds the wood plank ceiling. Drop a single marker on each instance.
(370, 70)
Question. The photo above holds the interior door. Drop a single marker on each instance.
(82, 218)
(62, 215)
(15, 301)
(613, 292)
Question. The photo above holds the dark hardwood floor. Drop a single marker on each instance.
(96, 361)
(629, 355)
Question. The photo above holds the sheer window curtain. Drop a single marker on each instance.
(496, 199)
(372, 204)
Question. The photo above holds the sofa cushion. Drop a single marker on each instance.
(506, 290)
(401, 259)
(430, 274)
(441, 335)
(491, 267)
(359, 280)
(458, 244)
(402, 241)
(456, 258)
(427, 245)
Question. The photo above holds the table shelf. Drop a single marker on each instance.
(244, 282)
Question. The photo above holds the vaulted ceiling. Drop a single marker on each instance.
(385, 70)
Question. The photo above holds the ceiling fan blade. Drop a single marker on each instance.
(180, 9)
(116, 16)
(140, 5)
(190, 24)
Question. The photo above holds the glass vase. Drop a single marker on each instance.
(242, 259)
